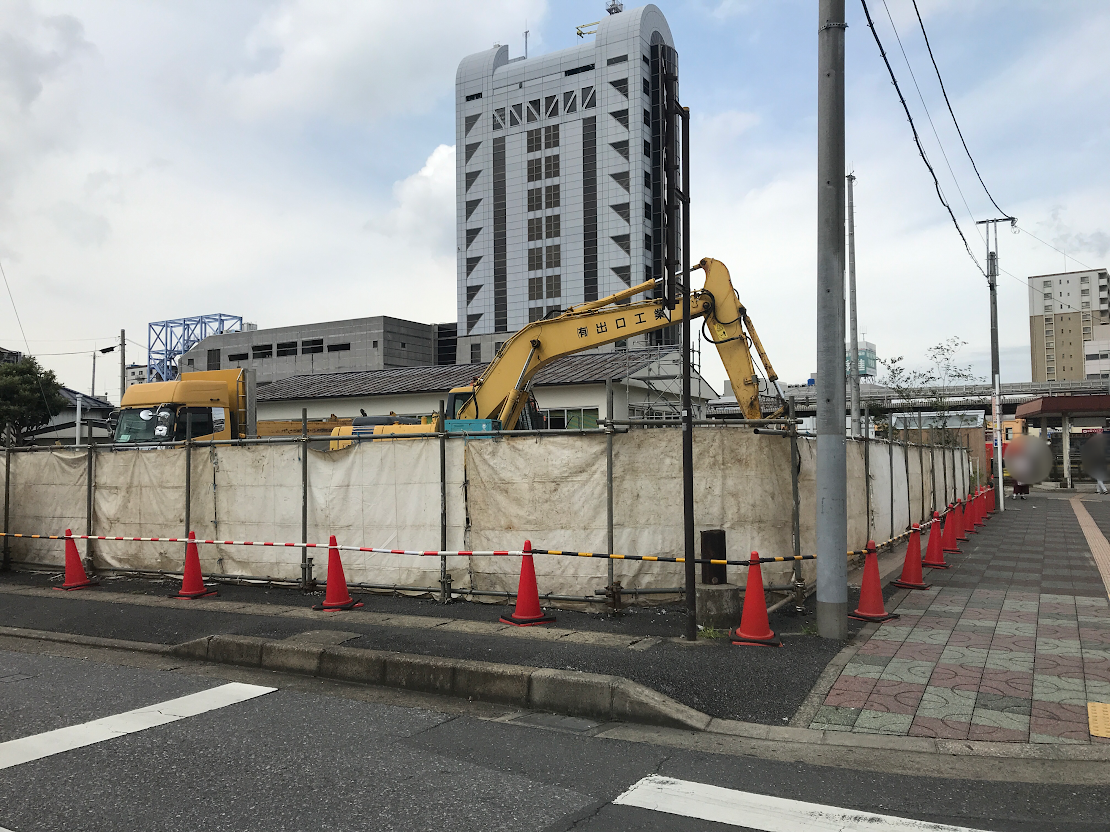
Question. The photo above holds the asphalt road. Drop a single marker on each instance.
(314, 755)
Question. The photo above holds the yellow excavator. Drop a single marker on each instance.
(500, 398)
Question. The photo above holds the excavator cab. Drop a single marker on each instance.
(460, 407)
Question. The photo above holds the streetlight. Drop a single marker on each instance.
(77, 425)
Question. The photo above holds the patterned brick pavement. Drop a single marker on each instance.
(1009, 645)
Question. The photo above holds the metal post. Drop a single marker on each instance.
(188, 470)
(867, 468)
(832, 518)
(944, 468)
(89, 471)
(795, 514)
(444, 578)
(609, 476)
(687, 408)
(122, 364)
(890, 451)
(7, 560)
(1065, 442)
(306, 567)
(996, 391)
(932, 480)
(853, 347)
(250, 382)
(77, 422)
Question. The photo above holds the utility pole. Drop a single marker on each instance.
(122, 364)
(854, 346)
(996, 384)
(831, 485)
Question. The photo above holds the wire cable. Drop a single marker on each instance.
(1042, 242)
(26, 343)
(951, 113)
(917, 139)
(929, 116)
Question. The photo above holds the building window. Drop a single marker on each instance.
(647, 242)
(619, 59)
(550, 167)
(499, 119)
(1086, 304)
(535, 259)
(236, 356)
(1085, 279)
(339, 347)
(570, 102)
(572, 418)
(535, 170)
(551, 136)
(647, 118)
(533, 111)
(375, 344)
(213, 359)
(190, 363)
(312, 346)
(552, 226)
(474, 96)
(476, 353)
(647, 149)
(535, 313)
(551, 196)
(285, 348)
(262, 351)
(554, 286)
(535, 199)
(497, 345)
(551, 106)
(1085, 293)
(554, 257)
(588, 98)
(535, 229)
(647, 181)
(515, 114)
(534, 141)
(535, 288)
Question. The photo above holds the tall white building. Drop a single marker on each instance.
(557, 198)
(1065, 309)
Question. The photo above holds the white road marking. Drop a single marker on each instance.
(760, 811)
(26, 749)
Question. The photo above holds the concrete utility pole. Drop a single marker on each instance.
(996, 384)
(831, 485)
(853, 349)
(122, 364)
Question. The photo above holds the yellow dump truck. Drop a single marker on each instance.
(205, 405)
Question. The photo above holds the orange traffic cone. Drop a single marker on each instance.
(336, 597)
(75, 571)
(871, 593)
(990, 500)
(961, 522)
(950, 545)
(192, 583)
(911, 569)
(527, 612)
(934, 552)
(754, 627)
(978, 513)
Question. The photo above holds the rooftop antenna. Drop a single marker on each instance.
(525, 41)
(614, 7)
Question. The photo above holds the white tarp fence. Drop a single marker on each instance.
(548, 489)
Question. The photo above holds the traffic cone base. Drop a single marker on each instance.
(342, 605)
(75, 577)
(336, 595)
(192, 582)
(754, 630)
(528, 612)
(911, 577)
(871, 593)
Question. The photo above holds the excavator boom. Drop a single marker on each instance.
(502, 391)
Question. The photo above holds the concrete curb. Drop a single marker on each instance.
(85, 641)
(571, 692)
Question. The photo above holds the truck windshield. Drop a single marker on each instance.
(147, 424)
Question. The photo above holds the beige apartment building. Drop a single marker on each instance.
(1064, 310)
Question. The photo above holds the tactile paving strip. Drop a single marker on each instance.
(1098, 715)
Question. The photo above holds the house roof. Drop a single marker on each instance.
(586, 368)
(87, 402)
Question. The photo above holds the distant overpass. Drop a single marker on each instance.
(959, 396)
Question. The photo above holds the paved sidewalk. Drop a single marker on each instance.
(1009, 645)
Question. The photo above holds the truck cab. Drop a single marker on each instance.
(198, 405)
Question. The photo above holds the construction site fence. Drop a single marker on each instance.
(605, 490)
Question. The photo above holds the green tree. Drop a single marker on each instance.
(29, 396)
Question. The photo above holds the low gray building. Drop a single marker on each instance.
(61, 429)
(571, 391)
(356, 345)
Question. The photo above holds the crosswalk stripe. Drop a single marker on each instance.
(760, 811)
(26, 749)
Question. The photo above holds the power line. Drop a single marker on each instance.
(26, 343)
(917, 138)
(1042, 242)
(929, 116)
(950, 112)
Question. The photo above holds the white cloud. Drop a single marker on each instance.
(364, 62)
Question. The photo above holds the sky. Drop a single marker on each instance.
(293, 161)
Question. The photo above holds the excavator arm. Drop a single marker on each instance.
(501, 392)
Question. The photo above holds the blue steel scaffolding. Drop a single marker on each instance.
(167, 340)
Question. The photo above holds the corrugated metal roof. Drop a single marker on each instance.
(589, 368)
